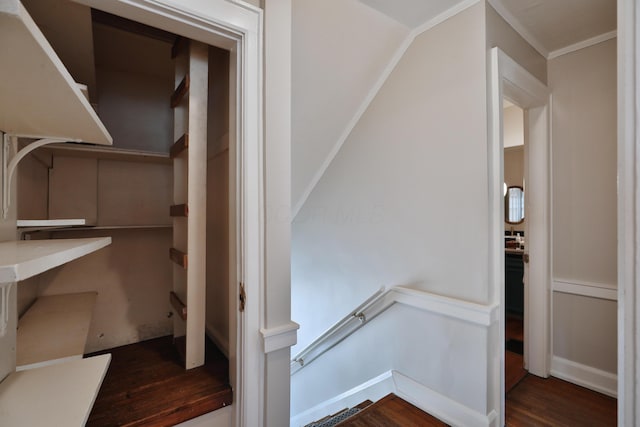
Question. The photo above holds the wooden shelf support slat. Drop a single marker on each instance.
(179, 210)
(179, 46)
(180, 92)
(178, 257)
(178, 305)
(179, 146)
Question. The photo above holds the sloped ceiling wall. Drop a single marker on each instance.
(339, 50)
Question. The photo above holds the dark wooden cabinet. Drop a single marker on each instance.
(514, 288)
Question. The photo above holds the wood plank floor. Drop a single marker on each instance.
(514, 362)
(391, 411)
(146, 385)
(513, 370)
(552, 402)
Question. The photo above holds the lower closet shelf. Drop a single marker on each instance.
(57, 395)
(54, 329)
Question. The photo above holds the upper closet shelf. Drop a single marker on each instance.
(22, 259)
(51, 222)
(38, 96)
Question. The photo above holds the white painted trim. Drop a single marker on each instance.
(374, 389)
(218, 418)
(582, 45)
(439, 405)
(495, 174)
(585, 376)
(509, 80)
(502, 10)
(479, 314)
(594, 290)
(280, 337)
(520, 86)
(628, 212)
(439, 19)
(393, 62)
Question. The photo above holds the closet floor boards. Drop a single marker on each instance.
(146, 384)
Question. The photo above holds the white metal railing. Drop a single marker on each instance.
(381, 300)
(340, 330)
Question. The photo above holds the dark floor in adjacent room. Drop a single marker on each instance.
(552, 402)
(514, 360)
(147, 385)
(535, 401)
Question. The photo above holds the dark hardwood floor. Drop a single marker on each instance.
(514, 329)
(552, 402)
(391, 411)
(514, 370)
(146, 385)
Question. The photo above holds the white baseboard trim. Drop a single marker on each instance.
(585, 376)
(218, 339)
(440, 406)
(374, 389)
(218, 418)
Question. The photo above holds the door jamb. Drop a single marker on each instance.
(507, 78)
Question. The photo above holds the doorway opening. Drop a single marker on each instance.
(514, 242)
(511, 81)
(129, 193)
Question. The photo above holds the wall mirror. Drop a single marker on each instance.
(514, 205)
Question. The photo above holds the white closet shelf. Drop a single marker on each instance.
(51, 222)
(22, 259)
(109, 153)
(54, 329)
(56, 395)
(39, 97)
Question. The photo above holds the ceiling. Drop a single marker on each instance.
(548, 25)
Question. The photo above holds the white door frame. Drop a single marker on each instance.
(628, 211)
(510, 80)
(238, 27)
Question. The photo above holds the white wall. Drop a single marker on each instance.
(584, 203)
(135, 82)
(217, 308)
(513, 122)
(584, 163)
(399, 204)
(339, 49)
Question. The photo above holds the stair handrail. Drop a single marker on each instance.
(476, 313)
(341, 329)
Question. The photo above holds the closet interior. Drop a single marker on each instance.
(152, 210)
